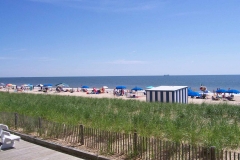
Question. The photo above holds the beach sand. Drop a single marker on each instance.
(140, 96)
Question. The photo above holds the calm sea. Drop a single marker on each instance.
(212, 82)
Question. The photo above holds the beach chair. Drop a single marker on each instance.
(8, 140)
(230, 98)
(3, 126)
(215, 98)
(203, 96)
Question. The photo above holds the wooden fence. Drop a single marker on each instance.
(128, 146)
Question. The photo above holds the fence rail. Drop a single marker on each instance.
(128, 146)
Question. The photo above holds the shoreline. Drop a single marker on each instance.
(109, 94)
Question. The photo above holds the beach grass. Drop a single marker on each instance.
(203, 124)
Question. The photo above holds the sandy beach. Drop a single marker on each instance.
(109, 94)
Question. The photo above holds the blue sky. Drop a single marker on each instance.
(119, 37)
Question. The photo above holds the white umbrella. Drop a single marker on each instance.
(105, 87)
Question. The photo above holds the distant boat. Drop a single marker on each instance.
(166, 75)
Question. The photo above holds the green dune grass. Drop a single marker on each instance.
(205, 124)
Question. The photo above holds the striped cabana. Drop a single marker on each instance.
(167, 94)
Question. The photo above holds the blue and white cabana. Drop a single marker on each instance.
(168, 94)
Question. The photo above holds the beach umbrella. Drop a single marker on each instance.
(193, 94)
(62, 85)
(105, 87)
(84, 87)
(233, 91)
(9, 85)
(190, 90)
(221, 91)
(137, 88)
(39, 85)
(47, 85)
(149, 87)
(121, 87)
(2, 84)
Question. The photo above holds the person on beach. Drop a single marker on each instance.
(103, 90)
(122, 92)
(114, 92)
(58, 89)
(45, 90)
(94, 91)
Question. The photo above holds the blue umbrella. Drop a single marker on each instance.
(233, 91)
(190, 90)
(47, 85)
(121, 87)
(137, 88)
(221, 91)
(193, 94)
(84, 87)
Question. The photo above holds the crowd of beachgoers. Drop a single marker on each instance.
(118, 92)
(85, 91)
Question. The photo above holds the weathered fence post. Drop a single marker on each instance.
(213, 153)
(39, 126)
(135, 142)
(39, 122)
(16, 120)
(81, 135)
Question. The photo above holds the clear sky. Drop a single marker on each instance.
(119, 37)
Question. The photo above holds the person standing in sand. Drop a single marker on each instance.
(114, 92)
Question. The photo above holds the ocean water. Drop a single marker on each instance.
(212, 82)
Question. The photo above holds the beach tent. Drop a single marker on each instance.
(84, 87)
